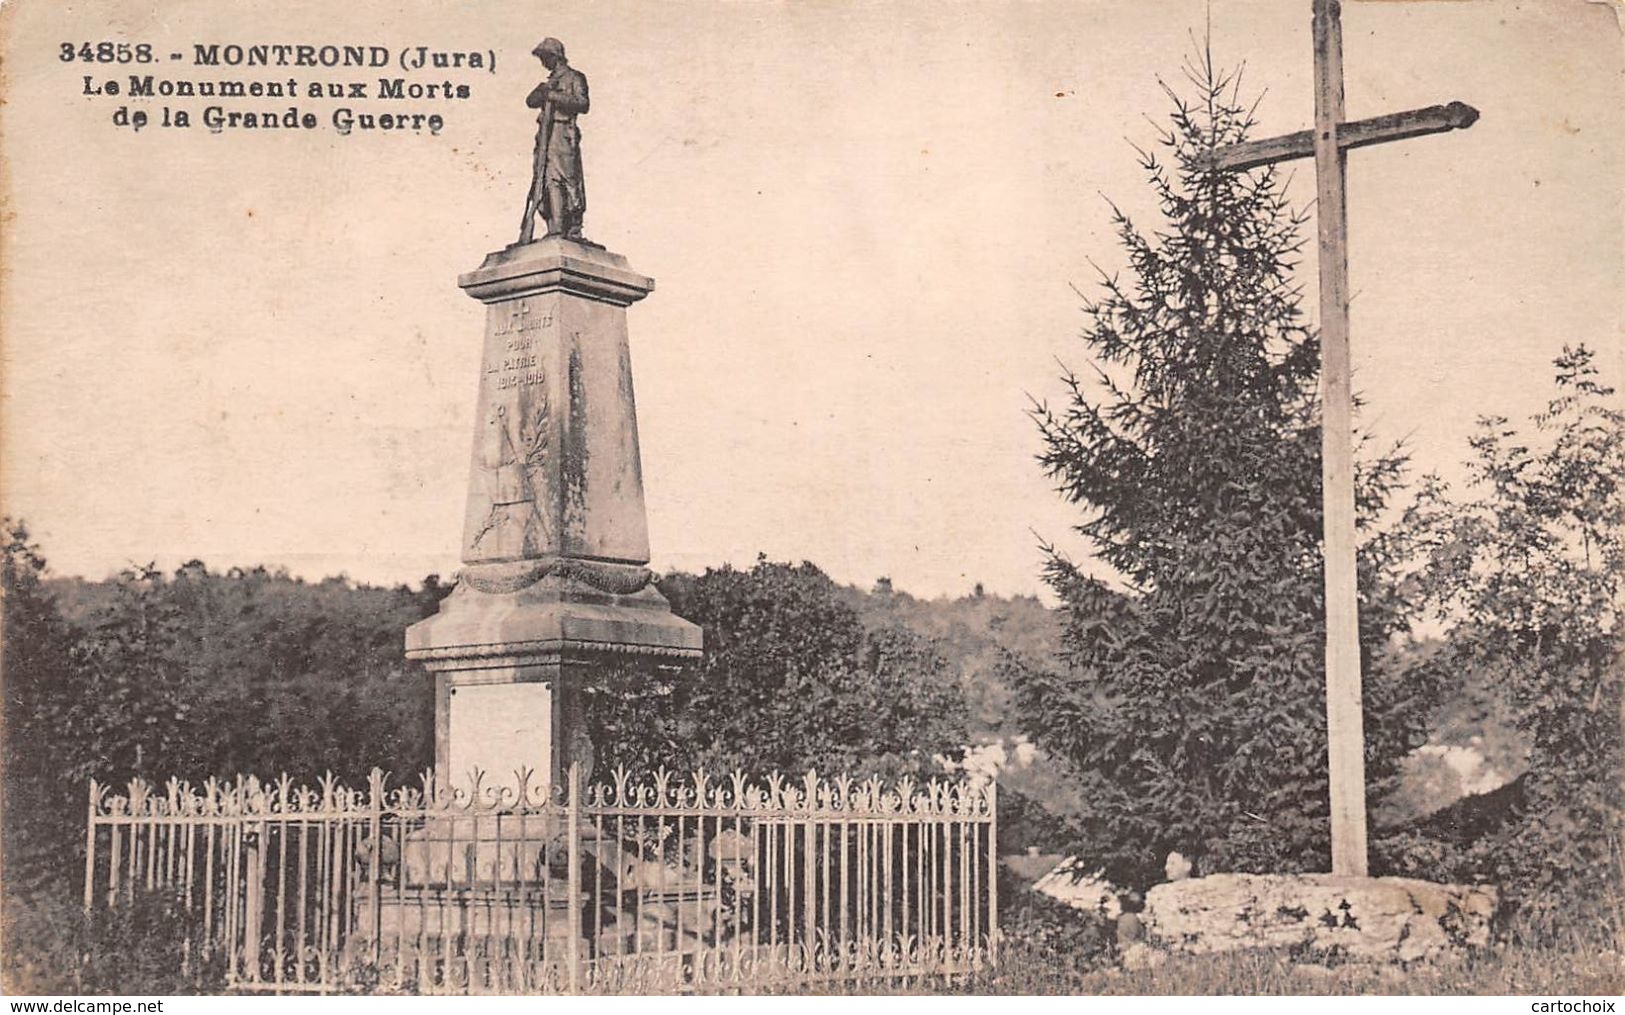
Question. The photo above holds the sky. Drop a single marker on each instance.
(865, 221)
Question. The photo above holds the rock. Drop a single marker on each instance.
(561, 932)
(660, 913)
(1032, 865)
(1130, 930)
(1178, 867)
(613, 942)
(732, 844)
(649, 938)
(1394, 977)
(1400, 919)
(1071, 883)
(655, 876)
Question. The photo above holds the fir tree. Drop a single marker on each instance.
(1191, 697)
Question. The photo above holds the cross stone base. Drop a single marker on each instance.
(1395, 919)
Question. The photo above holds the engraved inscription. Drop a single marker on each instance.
(507, 382)
(512, 462)
(521, 318)
(516, 365)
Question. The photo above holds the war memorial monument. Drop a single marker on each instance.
(555, 542)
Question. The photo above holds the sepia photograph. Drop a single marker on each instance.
(1012, 497)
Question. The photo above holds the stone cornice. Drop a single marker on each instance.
(556, 265)
(530, 653)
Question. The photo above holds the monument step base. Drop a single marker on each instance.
(544, 918)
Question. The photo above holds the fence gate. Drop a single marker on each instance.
(660, 884)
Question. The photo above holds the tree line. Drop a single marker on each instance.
(201, 673)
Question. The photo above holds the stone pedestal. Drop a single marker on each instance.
(555, 540)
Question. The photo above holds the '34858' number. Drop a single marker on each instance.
(107, 52)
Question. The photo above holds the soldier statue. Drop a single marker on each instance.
(557, 188)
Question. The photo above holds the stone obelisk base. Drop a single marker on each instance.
(554, 591)
(509, 665)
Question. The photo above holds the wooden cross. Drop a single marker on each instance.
(1328, 143)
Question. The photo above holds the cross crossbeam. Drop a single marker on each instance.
(1356, 134)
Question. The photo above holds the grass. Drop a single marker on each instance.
(1509, 969)
(49, 948)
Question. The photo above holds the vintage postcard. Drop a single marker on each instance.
(705, 497)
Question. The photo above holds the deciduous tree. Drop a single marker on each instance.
(1530, 574)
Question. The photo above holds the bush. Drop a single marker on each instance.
(191, 675)
(1531, 576)
(792, 679)
(140, 946)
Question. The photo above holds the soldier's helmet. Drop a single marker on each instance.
(550, 46)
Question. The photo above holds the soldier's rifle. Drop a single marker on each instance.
(538, 170)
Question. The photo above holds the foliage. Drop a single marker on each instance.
(193, 675)
(1474, 745)
(976, 633)
(1075, 939)
(1190, 699)
(792, 679)
(37, 662)
(137, 947)
(1531, 575)
(200, 673)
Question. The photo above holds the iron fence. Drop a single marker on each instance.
(649, 885)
